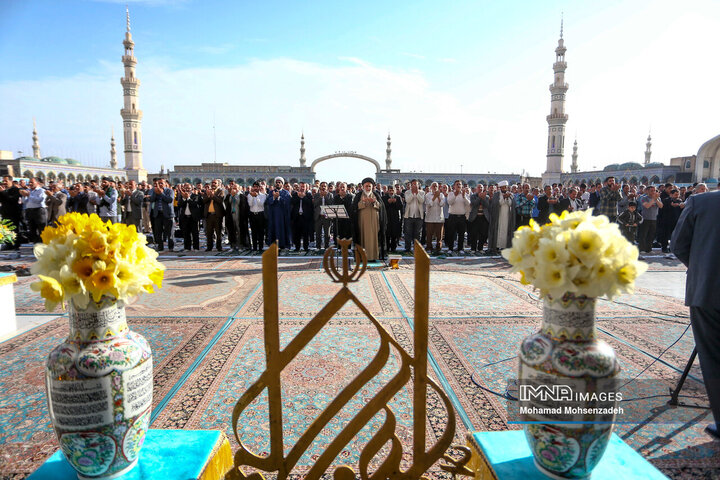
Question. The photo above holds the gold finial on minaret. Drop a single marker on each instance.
(36, 145)
(127, 13)
(561, 24)
(388, 152)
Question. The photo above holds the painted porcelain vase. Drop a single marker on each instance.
(99, 385)
(567, 375)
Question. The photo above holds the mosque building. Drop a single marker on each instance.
(705, 166)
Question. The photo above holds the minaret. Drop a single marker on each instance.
(36, 145)
(302, 150)
(131, 114)
(557, 118)
(113, 152)
(388, 151)
(648, 152)
(573, 165)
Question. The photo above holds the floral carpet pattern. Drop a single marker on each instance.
(26, 434)
(205, 329)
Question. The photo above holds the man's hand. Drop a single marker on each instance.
(276, 194)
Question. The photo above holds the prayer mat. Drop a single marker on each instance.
(26, 434)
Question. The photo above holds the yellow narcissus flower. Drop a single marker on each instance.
(575, 253)
(83, 267)
(102, 282)
(51, 291)
(97, 242)
(585, 244)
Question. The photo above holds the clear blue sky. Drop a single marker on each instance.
(455, 83)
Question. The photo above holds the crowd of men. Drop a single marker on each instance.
(448, 219)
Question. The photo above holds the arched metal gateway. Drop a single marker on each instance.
(346, 154)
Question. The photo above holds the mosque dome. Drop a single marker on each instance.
(611, 167)
(28, 159)
(54, 160)
(654, 165)
(72, 161)
(630, 166)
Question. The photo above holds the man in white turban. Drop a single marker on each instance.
(502, 215)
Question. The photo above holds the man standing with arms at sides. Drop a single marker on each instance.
(301, 216)
(213, 197)
(456, 223)
(256, 204)
(344, 225)
(502, 227)
(479, 219)
(322, 223)
(394, 209)
(277, 212)
(695, 242)
(235, 212)
(190, 208)
(414, 213)
(163, 214)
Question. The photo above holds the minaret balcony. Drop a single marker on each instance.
(560, 66)
(557, 118)
(129, 81)
(131, 114)
(559, 87)
(129, 60)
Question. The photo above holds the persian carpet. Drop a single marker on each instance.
(26, 434)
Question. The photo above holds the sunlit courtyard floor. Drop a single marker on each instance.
(205, 329)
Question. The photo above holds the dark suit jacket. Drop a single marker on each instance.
(696, 241)
(317, 202)
(9, 206)
(217, 200)
(196, 206)
(307, 205)
(241, 209)
(475, 202)
(166, 199)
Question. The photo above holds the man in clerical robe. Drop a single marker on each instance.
(370, 220)
(502, 216)
(277, 211)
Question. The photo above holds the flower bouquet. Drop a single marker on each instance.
(95, 268)
(7, 233)
(571, 261)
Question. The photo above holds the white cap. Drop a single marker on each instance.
(503, 183)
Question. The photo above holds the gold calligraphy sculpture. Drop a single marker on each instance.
(411, 368)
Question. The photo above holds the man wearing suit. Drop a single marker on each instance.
(695, 242)
(478, 219)
(344, 225)
(236, 218)
(214, 212)
(190, 209)
(301, 216)
(322, 224)
(133, 203)
(163, 214)
(55, 203)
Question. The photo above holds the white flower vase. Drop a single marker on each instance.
(565, 365)
(99, 385)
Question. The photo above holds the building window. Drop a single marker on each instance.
(135, 137)
(553, 141)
